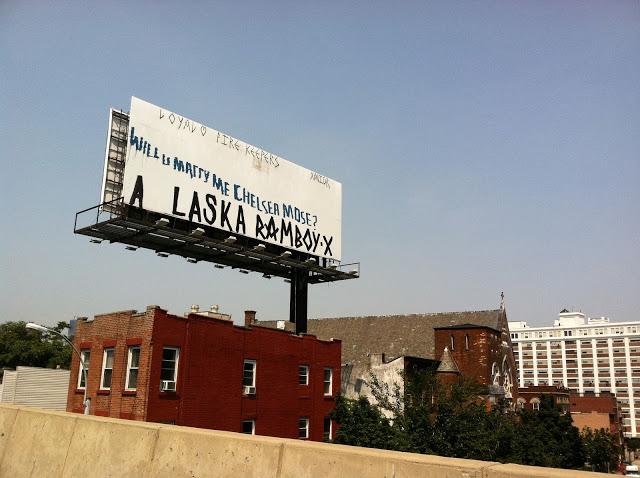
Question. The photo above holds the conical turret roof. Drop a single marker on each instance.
(447, 364)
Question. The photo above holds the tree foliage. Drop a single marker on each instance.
(547, 437)
(601, 450)
(361, 424)
(453, 420)
(21, 346)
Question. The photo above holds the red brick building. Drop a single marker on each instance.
(595, 412)
(530, 397)
(478, 343)
(206, 372)
(482, 352)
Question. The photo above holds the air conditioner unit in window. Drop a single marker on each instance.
(248, 390)
(167, 386)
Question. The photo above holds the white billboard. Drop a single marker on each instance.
(178, 167)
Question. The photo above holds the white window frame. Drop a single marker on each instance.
(535, 404)
(130, 350)
(175, 370)
(324, 382)
(306, 374)
(104, 366)
(253, 426)
(83, 354)
(305, 428)
(324, 433)
(253, 377)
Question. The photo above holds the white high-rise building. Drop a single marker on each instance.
(587, 355)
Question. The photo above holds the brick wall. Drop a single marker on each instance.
(596, 412)
(209, 382)
(475, 351)
(118, 330)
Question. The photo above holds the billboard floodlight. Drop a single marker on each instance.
(38, 327)
(197, 232)
(230, 239)
(266, 276)
(131, 248)
(95, 241)
(243, 271)
(192, 260)
(162, 254)
(354, 272)
(218, 266)
(162, 222)
(332, 266)
(311, 260)
(285, 255)
(288, 280)
(259, 248)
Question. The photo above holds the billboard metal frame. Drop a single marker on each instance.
(118, 222)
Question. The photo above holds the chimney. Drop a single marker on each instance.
(195, 308)
(376, 359)
(249, 318)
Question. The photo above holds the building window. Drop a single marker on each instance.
(303, 427)
(169, 369)
(453, 342)
(249, 373)
(328, 381)
(303, 375)
(107, 369)
(521, 402)
(466, 341)
(133, 363)
(249, 427)
(535, 403)
(86, 357)
(327, 429)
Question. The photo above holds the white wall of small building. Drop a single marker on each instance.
(358, 381)
(36, 387)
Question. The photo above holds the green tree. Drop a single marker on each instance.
(632, 445)
(446, 420)
(361, 424)
(21, 346)
(547, 437)
(601, 450)
(453, 420)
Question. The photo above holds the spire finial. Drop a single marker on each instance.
(502, 300)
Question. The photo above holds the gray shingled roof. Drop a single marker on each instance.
(393, 335)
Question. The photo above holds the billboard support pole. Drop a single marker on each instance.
(298, 300)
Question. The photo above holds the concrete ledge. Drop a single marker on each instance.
(102, 447)
(310, 459)
(41, 443)
(38, 443)
(521, 471)
(191, 452)
(7, 418)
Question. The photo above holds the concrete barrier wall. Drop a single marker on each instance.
(38, 443)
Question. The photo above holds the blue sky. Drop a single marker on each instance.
(482, 146)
